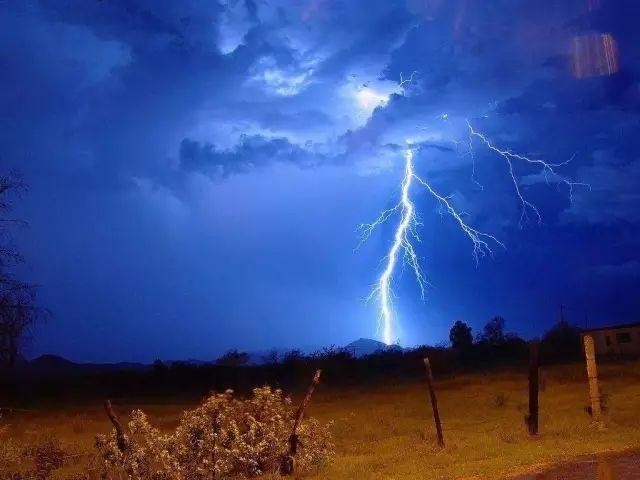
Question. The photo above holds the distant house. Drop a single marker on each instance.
(616, 339)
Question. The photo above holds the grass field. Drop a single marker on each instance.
(386, 432)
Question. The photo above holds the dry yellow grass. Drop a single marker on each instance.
(386, 432)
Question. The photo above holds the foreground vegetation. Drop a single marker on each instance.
(224, 437)
(386, 430)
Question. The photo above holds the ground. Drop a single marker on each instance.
(386, 432)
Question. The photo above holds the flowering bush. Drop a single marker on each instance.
(222, 438)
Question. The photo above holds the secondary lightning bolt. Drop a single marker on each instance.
(549, 170)
(402, 242)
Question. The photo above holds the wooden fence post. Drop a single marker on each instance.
(288, 462)
(592, 374)
(434, 402)
(534, 387)
(121, 438)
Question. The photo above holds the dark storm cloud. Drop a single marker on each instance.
(251, 152)
(515, 76)
(300, 120)
(167, 65)
(145, 25)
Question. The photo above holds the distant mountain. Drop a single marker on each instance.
(50, 362)
(367, 346)
(54, 364)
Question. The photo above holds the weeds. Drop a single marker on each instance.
(79, 424)
(47, 456)
(500, 400)
(35, 461)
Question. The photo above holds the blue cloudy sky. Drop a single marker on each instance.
(197, 169)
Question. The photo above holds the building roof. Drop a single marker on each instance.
(611, 327)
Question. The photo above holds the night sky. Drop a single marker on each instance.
(197, 170)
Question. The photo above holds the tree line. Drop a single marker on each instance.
(493, 344)
(561, 343)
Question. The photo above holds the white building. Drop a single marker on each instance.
(616, 339)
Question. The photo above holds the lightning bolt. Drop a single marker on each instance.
(406, 232)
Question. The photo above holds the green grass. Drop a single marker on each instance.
(386, 432)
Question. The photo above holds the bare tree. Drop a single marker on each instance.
(18, 310)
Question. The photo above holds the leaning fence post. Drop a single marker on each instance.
(534, 387)
(288, 463)
(434, 402)
(592, 373)
(121, 438)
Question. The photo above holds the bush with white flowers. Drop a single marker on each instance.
(223, 438)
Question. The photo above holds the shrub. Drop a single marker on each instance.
(222, 438)
(561, 343)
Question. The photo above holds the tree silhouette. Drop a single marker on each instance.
(233, 358)
(562, 342)
(493, 331)
(460, 336)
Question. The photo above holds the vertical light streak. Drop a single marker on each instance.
(400, 240)
(595, 55)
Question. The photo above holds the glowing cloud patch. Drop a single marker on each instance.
(279, 81)
(234, 25)
(368, 99)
